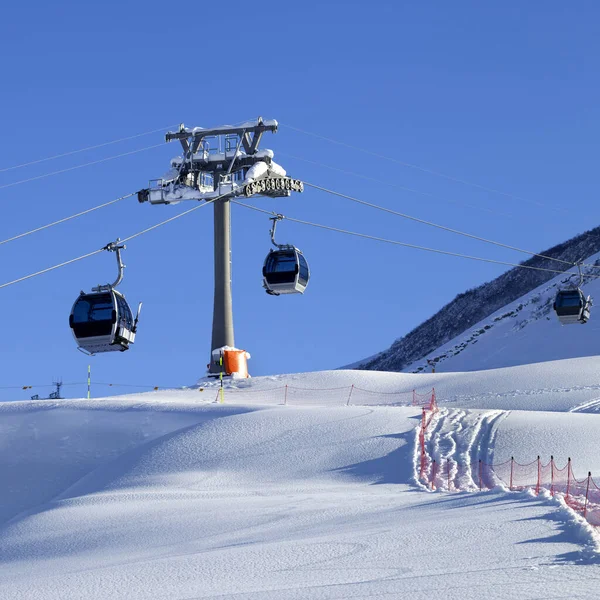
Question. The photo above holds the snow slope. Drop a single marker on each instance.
(173, 495)
(524, 331)
(509, 310)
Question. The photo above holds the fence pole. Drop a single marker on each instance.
(537, 485)
(285, 397)
(512, 467)
(448, 467)
(480, 478)
(587, 491)
(422, 441)
(568, 477)
(433, 402)
(222, 399)
(89, 381)
(350, 395)
(414, 400)
(433, 469)
(551, 475)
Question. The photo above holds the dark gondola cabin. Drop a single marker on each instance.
(571, 306)
(285, 271)
(102, 322)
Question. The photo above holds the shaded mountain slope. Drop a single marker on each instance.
(475, 305)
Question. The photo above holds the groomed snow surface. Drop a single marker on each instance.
(171, 495)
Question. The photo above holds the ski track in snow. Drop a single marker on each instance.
(591, 406)
(464, 438)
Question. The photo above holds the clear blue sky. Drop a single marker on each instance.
(505, 95)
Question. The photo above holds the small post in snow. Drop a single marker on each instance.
(222, 391)
(285, 397)
(422, 443)
(537, 485)
(350, 395)
(512, 466)
(89, 381)
(587, 491)
(552, 475)
(568, 478)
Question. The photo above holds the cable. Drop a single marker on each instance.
(125, 139)
(68, 262)
(186, 212)
(85, 212)
(131, 137)
(395, 185)
(132, 385)
(442, 227)
(94, 162)
(378, 239)
(419, 168)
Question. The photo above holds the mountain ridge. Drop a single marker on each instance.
(477, 304)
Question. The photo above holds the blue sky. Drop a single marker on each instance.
(503, 95)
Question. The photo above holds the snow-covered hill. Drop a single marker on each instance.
(174, 495)
(522, 332)
(506, 322)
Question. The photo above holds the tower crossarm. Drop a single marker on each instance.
(250, 133)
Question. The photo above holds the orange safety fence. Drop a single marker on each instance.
(581, 495)
(347, 395)
(429, 408)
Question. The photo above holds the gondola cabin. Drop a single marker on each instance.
(571, 306)
(285, 271)
(102, 322)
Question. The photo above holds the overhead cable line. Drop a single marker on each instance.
(397, 243)
(94, 162)
(419, 168)
(68, 262)
(125, 139)
(442, 227)
(395, 185)
(63, 264)
(79, 214)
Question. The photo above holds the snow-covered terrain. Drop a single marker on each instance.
(508, 321)
(175, 495)
(524, 331)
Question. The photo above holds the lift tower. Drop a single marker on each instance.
(217, 165)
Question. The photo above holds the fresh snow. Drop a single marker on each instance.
(173, 495)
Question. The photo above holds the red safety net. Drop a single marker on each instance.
(348, 395)
(581, 495)
(426, 401)
(426, 467)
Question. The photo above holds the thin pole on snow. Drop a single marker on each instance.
(350, 395)
(587, 491)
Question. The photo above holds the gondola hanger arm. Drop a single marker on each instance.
(116, 248)
(276, 218)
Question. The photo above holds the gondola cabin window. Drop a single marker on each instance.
(93, 316)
